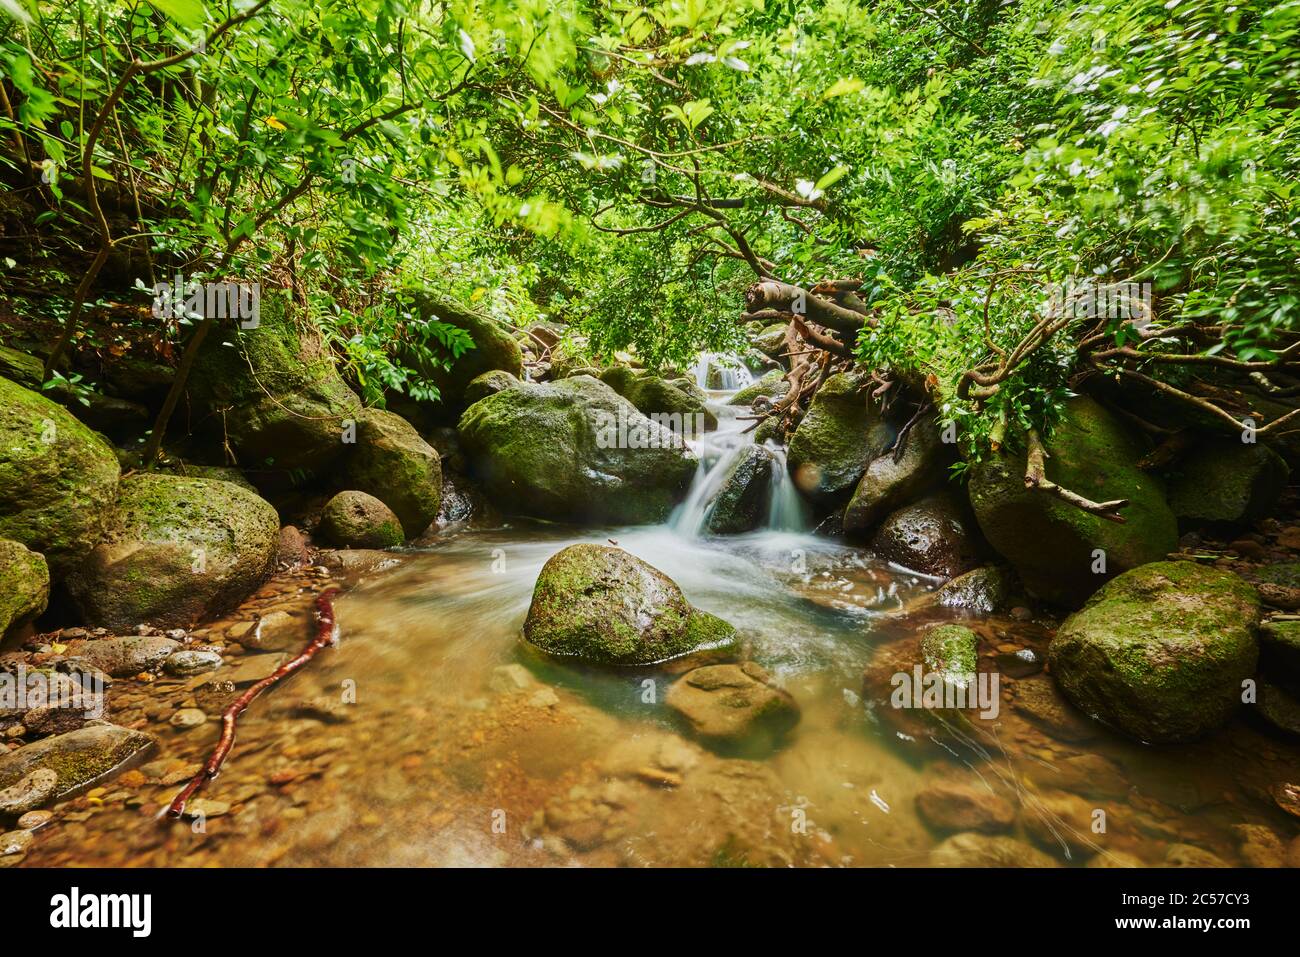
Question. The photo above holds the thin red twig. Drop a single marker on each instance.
(324, 637)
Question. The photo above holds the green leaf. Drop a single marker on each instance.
(188, 13)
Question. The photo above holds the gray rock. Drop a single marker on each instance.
(190, 662)
(124, 657)
(730, 703)
(29, 793)
(79, 757)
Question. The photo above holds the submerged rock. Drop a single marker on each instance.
(731, 703)
(356, 520)
(1161, 651)
(935, 536)
(28, 793)
(176, 550)
(57, 478)
(888, 484)
(839, 436)
(78, 758)
(396, 466)
(1055, 546)
(575, 450)
(983, 850)
(957, 806)
(741, 502)
(24, 585)
(604, 605)
(1227, 483)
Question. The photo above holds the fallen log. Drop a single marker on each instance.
(324, 638)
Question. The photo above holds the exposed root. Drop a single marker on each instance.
(1036, 478)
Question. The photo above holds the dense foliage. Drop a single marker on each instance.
(631, 168)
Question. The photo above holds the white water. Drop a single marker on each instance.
(717, 451)
(728, 372)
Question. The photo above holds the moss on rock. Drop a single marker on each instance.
(494, 347)
(1055, 546)
(176, 550)
(1161, 651)
(58, 479)
(354, 519)
(574, 450)
(605, 605)
(839, 436)
(394, 464)
(1227, 483)
(24, 585)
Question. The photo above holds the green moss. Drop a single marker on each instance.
(391, 462)
(839, 435)
(1161, 651)
(1229, 482)
(24, 584)
(494, 347)
(772, 385)
(952, 651)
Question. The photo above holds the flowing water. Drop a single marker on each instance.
(432, 735)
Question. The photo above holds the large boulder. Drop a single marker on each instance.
(1062, 553)
(771, 386)
(57, 478)
(605, 605)
(354, 519)
(575, 450)
(273, 394)
(673, 407)
(396, 466)
(489, 383)
(176, 550)
(494, 347)
(1160, 652)
(840, 434)
(891, 482)
(1227, 483)
(742, 500)
(24, 585)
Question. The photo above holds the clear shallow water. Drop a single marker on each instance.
(432, 735)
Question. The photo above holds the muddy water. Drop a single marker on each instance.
(432, 736)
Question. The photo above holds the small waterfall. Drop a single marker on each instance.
(721, 373)
(718, 451)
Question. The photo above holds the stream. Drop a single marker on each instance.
(433, 736)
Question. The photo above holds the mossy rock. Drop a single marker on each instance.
(1055, 546)
(669, 405)
(489, 383)
(24, 585)
(1160, 652)
(742, 499)
(604, 605)
(840, 434)
(1279, 643)
(951, 651)
(394, 464)
(79, 758)
(272, 392)
(555, 450)
(771, 385)
(221, 473)
(354, 519)
(1227, 483)
(175, 551)
(890, 483)
(494, 347)
(58, 479)
(771, 340)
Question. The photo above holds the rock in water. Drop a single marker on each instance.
(741, 502)
(982, 850)
(888, 484)
(575, 450)
(980, 592)
(176, 550)
(1161, 651)
(1059, 550)
(77, 758)
(604, 605)
(730, 703)
(24, 585)
(357, 520)
(1227, 483)
(935, 536)
(839, 436)
(957, 806)
(57, 478)
(396, 466)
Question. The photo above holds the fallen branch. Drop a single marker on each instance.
(1036, 478)
(324, 637)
